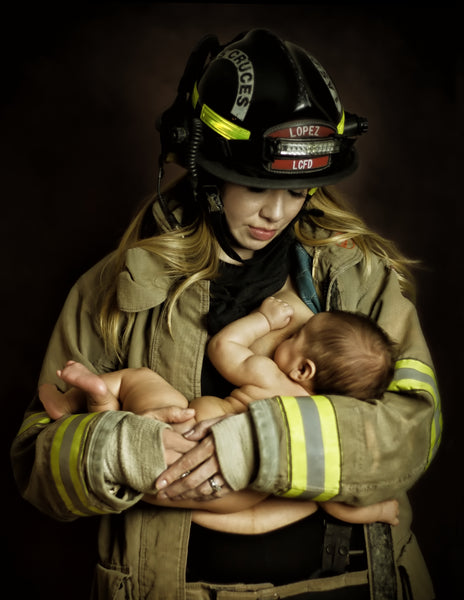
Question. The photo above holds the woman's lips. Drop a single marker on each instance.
(262, 235)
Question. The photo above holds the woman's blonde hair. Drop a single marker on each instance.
(334, 215)
(190, 254)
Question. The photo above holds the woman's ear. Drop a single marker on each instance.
(304, 372)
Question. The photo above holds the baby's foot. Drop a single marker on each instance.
(77, 375)
(53, 400)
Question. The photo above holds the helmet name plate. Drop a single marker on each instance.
(300, 146)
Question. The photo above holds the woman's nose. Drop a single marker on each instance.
(272, 208)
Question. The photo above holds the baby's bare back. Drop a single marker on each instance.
(269, 513)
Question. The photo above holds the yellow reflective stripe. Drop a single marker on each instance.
(225, 128)
(410, 363)
(297, 451)
(58, 455)
(75, 454)
(331, 448)
(341, 124)
(55, 466)
(195, 96)
(314, 447)
(413, 375)
(39, 418)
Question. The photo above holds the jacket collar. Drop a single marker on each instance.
(143, 284)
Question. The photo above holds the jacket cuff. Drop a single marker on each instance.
(131, 458)
(237, 466)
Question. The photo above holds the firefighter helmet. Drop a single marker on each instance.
(262, 112)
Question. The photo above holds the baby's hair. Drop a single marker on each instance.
(353, 356)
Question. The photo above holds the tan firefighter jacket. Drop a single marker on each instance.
(317, 448)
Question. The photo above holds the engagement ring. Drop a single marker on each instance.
(216, 487)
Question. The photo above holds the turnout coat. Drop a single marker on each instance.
(321, 447)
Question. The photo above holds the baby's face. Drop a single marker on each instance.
(289, 352)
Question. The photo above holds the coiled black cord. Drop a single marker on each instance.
(196, 136)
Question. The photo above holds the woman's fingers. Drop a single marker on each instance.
(202, 428)
(175, 446)
(203, 484)
(196, 475)
(187, 464)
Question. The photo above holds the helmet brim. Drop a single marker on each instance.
(262, 179)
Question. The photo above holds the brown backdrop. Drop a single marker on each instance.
(82, 87)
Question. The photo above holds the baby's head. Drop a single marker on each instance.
(344, 353)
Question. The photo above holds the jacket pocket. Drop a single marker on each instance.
(111, 584)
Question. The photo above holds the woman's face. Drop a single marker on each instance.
(255, 216)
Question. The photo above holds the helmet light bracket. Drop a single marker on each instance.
(300, 146)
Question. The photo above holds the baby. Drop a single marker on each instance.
(331, 353)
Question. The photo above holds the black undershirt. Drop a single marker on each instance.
(237, 291)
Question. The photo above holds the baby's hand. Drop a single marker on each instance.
(277, 312)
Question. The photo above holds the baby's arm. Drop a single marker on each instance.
(230, 352)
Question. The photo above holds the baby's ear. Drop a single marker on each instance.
(304, 372)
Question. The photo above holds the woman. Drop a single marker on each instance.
(261, 131)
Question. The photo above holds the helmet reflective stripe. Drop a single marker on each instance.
(314, 447)
(415, 376)
(341, 124)
(223, 127)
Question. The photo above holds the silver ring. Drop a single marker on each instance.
(185, 474)
(216, 487)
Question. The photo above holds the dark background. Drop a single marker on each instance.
(82, 86)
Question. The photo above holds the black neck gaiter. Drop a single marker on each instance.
(238, 290)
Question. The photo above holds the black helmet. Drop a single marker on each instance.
(263, 112)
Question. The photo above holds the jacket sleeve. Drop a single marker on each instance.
(83, 464)
(340, 448)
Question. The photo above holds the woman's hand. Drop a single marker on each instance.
(196, 474)
(175, 444)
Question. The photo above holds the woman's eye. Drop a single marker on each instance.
(298, 193)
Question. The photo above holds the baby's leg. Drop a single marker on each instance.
(102, 390)
(142, 390)
(385, 512)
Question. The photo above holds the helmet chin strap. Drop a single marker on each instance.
(212, 195)
(218, 220)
